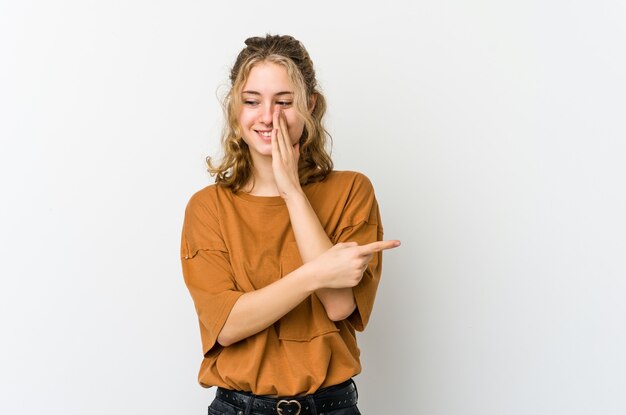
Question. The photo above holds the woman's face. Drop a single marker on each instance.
(268, 87)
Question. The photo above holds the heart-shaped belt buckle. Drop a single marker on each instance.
(288, 403)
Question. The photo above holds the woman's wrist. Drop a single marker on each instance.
(295, 196)
(308, 274)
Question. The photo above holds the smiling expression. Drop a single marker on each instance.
(267, 88)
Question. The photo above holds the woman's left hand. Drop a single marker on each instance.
(285, 158)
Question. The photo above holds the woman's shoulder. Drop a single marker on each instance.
(348, 179)
(206, 200)
(203, 195)
(340, 189)
(344, 198)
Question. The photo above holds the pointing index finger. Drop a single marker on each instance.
(378, 246)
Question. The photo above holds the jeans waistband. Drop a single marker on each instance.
(339, 396)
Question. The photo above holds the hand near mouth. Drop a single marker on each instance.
(285, 158)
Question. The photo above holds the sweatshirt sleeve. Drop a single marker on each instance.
(360, 222)
(206, 268)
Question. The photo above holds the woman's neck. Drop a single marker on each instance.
(264, 183)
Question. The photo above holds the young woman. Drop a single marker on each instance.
(282, 255)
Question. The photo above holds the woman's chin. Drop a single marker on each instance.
(262, 152)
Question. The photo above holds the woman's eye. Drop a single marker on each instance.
(249, 102)
(284, 103)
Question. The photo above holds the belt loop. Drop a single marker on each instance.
(250, 405)
(311, 402)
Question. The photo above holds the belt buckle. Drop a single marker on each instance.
(286, 402)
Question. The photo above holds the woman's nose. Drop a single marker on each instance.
(267, 114)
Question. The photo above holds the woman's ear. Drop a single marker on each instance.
(312, 102)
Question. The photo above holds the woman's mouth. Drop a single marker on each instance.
(266, 135)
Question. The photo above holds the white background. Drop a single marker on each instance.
(492, 130)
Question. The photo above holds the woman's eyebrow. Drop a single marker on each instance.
(278, 93)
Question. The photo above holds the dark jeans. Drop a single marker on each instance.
(261, 405)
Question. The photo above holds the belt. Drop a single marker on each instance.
(339, 396)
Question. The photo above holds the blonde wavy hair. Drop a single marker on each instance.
(235, 170)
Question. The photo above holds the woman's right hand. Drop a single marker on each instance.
(343, 265)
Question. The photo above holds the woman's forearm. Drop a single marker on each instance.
(312, 242)
(254, 311)
(310, 235)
